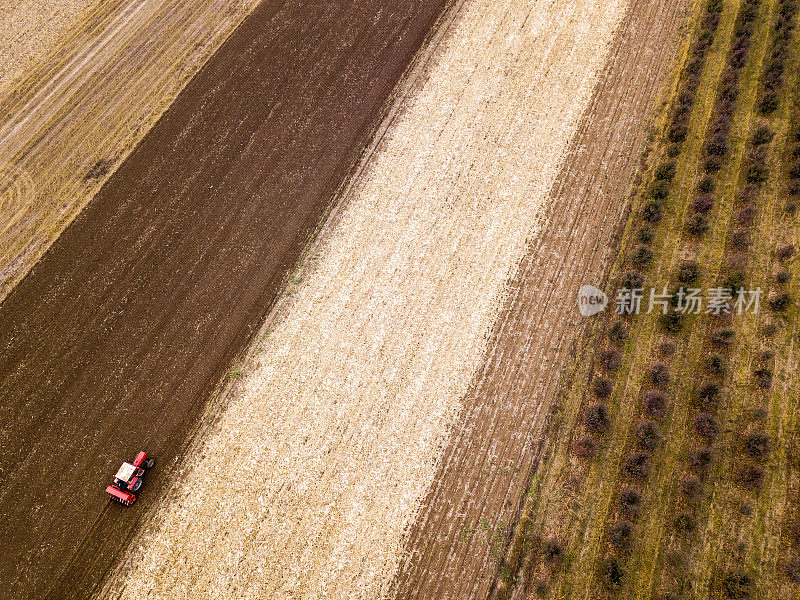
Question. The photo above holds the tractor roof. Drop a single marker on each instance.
(125, 472)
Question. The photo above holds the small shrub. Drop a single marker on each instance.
(740, 240)
(597, 419)
(762, 135)
(667, 348)
(586, 447)
(659, 190)
(763, 377)
(697, 224)
(780, 302)
(688, 272)
(610, 360)
(707, 185)
(712, 164)
(793, 187)
(723, 337)
(642, 256)
(602, 387)
(769, 103)
(553, 551)
(637, 465)
(653, 212)
(645, 234)
(691, 488)
(793, 570)
(785, 252)
(756, 173)
(677, 131)
(665, 171)
(620, 535)
(648, 436)
(630, 502)
(783, 277)
(700, 460)
(685, 523)
(737, 586)
(715, 365)
(618, 333)
(706, 426)
(756, 444)
(770, 329)
(655, 403)
(613, 574)
(672, 322)
(708, 394)
(752, 477)
(659, 375)
(703, 204)
(747, 215)
(717, 145)
(632, 280)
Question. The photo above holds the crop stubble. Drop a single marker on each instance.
(30, 28)
(310, 480)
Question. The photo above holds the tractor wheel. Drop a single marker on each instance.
(137, 485)
(148, 464)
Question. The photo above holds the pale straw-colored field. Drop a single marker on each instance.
(307, 483)
(30, 28)
(91, 92)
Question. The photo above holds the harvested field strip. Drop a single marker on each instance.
(308, 484)
(674, 524)
(30, 29)
(70, 119)
(119, 335)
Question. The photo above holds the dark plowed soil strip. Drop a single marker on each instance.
(467, 517)
(115, 340)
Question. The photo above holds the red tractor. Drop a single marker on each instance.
(128, 479)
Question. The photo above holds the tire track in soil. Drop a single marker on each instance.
(116, 338)
(453, 545)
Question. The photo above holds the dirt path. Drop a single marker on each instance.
(72, 116)
(467, 514)
(116, 338)
(308, 484)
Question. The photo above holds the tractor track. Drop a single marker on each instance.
(116, 338)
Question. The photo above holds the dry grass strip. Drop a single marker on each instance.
(309, 481)
(68, 120)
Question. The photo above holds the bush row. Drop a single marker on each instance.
(772, 78)
(718, 141)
